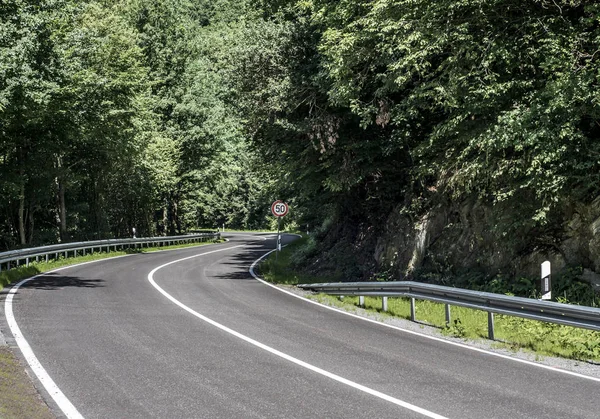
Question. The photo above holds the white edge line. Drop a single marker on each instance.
(279, 353)
(460, 345)
(57, 395)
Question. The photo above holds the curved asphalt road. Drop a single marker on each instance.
(118, 348)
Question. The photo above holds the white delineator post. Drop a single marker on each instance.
(546, 284)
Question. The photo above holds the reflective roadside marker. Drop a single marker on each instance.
(546, 284)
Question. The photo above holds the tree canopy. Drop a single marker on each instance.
(171, 115)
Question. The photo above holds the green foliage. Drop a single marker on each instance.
(123, 114)
(417, 104)
(499, 284)
(162, 115)
(550, 338)
(569, 288)
(484, 92)
(279, 269)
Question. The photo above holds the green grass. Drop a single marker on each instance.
(278, 268)
(16, 274)
(513, 333)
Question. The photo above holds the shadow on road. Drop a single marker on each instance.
(238, 266)
(56, 281)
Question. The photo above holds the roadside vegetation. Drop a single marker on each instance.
(422, 138)
(282, 268)
(514, 333)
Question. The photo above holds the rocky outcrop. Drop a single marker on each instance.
(466, 236)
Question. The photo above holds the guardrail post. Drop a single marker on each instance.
(384, 303)
(413, 316)
(491, 325)
(47, 257)
(26, 261)
(448, 319)
(361, 300)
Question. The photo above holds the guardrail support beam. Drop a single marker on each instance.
(413, 316)
(384, 304)
(361, 300)
(491, 325)
(448, 319)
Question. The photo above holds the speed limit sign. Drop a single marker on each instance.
(279, 208)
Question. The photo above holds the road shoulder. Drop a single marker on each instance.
(18, 396)
(579, 367)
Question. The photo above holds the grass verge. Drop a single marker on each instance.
(18, 397)
(514, 333)
(279, 268)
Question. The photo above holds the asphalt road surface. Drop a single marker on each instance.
(191, 334)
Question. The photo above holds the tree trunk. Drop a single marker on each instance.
(176, 216)
(62, 208)
(165, 221)
(62, 211)
(22, 237)
(31, 224)
(172, 210)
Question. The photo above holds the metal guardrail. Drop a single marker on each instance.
(547, 311)
(14, 257)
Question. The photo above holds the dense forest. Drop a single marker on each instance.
(416, 138)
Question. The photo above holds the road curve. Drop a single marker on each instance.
(123, 339)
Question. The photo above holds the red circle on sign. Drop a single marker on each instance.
(279, 208)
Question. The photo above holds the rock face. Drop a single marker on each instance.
(460, 237)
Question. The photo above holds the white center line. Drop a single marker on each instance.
(280, 354)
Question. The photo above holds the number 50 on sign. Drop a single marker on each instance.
(279, 208)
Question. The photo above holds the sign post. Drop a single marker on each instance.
(279, 209)
(546, 285)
